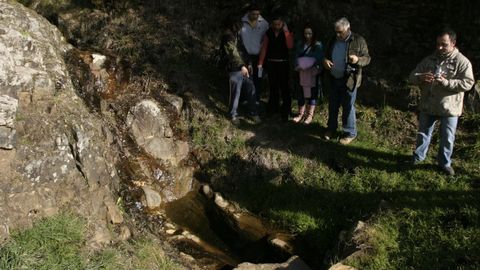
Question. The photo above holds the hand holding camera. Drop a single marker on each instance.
(438, 75)
(438, 72)
(429, 77)
(352, 59)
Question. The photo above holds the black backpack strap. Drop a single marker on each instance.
(305, 51)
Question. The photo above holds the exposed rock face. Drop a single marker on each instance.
(351, 245)
(153, 200)
(150, 127)
(340, 266)
(472, 99)
(62, 156)
(8, 111)
(294, 263)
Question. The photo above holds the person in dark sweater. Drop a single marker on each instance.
(236, 65)
(277, 42)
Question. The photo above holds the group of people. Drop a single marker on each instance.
(253, 47)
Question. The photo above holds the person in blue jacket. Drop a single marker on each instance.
(308, 59)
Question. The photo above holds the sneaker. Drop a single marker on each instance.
(328, 135)
(346, 140)
(415, 162)
(448, 170)
(235, 120)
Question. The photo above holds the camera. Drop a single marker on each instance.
(438, 72)
(351, 69)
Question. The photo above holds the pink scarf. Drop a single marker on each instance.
(307, 80)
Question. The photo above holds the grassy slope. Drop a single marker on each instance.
(59, 243)
(418, 218)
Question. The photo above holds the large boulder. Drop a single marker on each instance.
(149, 125)
(8, 111)
(472, 99)
(54, 154)
(294, 263)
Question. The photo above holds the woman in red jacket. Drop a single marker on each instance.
(277, 42)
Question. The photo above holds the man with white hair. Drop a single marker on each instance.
(345, 56)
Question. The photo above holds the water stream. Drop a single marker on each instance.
(227, 232)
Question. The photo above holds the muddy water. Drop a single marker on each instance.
(191, 213)
(227, 234)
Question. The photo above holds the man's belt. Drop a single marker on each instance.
(277, 60)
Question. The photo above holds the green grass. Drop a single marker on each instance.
(59, 243)
(219, 137)
(142, 254)
(51, 244)
(428, 221)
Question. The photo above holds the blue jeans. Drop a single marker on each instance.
(341, 96)
(448, 126)
(238, 83)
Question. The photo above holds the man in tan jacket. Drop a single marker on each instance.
(443, 78)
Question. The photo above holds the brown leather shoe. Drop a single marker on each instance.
(448, 171)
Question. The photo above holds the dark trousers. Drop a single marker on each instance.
(278, 73)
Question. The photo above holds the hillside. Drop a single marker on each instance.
(228, 191)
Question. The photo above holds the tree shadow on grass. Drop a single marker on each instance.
(306, 141)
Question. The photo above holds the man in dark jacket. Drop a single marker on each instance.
(346, 55)
(236, 66)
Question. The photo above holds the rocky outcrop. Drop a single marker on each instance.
(340, 266)
(472, 99)
(149, 126)
(8, 111)
(352, 245)
(55, 155)
(294, 263)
